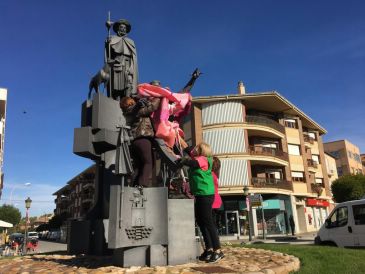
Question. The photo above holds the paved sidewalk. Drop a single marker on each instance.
(299, 239)
(236, 260)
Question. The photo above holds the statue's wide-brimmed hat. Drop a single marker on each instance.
(155, 83)
(122, 22)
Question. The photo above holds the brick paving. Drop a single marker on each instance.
(237, 259)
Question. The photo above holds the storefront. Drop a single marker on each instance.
(232, 218)
(317, 211)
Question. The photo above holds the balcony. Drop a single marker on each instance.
(87, 197)
(317, 188)
(271, 183)
(268, 151)
(263, 121)
(308, 139)
(88, 185)
(312, 163)
(62, 200)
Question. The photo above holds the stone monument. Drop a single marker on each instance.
(138, 226)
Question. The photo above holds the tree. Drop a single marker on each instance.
(10, 214)
(348, 187)
(57, 220)
(42, 227)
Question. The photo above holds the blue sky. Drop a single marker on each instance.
(312, 52)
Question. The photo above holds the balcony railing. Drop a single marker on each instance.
(317, 188)
(308, 139)
(62, 200)
(87, 197)
(271, 183)
(268, 151)
(312, 163)
(88, 185)
(264, 121)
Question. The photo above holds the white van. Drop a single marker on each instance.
(345, 226)
(33, 235)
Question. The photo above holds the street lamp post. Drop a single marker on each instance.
(28, 202)
(248, 203)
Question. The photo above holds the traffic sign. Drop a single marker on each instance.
(255, 200)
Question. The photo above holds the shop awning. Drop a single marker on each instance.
(317, 202)
(5, 224)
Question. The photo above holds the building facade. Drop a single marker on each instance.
(363, 163)
(348, 160)
(3, 99)
(77, 197)
(270, 147)
(332, 174)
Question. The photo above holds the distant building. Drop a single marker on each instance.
(348, 160)
(331, 172)
(363, 163)
(3, 99)
(44, 219)
(267, 146)
(77, 196)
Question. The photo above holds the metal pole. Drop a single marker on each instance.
(249, 224)
(248, 208)
(26, 234)
(263, 223)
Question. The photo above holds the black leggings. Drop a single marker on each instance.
(204, 218)
(142, 147)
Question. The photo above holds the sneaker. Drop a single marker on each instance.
(216, 257)
(206, 255)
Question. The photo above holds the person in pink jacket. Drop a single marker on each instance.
(217, 203)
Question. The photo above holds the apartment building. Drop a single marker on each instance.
(3, 99)
(266, 146)
(77, 197)
(348, 160)
(332, 174)
(363, 163)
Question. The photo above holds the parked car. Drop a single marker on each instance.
(345, 226)
(16, 239)
(33, 235)
(55, 235)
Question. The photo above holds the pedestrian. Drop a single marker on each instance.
(138, 117)
(202, 186)
(217, 203)
(292, 224)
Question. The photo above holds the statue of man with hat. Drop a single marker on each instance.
(121, 68)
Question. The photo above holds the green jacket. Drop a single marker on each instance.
(201, 182)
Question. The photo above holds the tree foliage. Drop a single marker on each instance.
(42, 227)
(57, 220)
(348, 187)
(10, 214)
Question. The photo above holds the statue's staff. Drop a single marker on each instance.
(108, 57)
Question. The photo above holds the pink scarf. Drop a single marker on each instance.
(177, 104)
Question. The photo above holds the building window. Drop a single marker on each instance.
(338, 218)
(335, 153)
(290, 123)
(357, 157)
(312, 135)
(315, 158)
(319, 181)
(350, 154)
(359, 214)
(293, 149)
(339, 171)
(297, 176)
